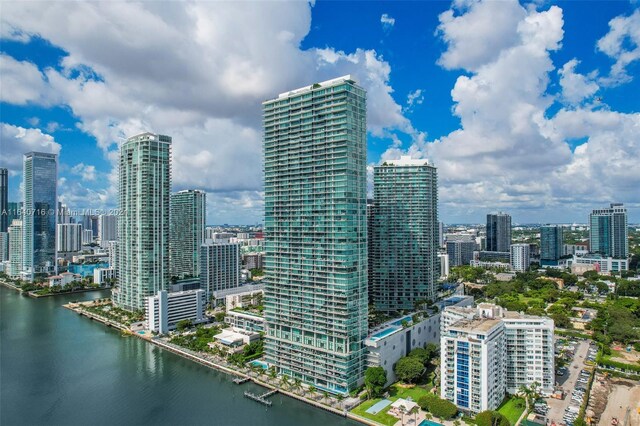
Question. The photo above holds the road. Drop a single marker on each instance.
(568, 382)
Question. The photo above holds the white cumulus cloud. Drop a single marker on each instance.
(622, 44)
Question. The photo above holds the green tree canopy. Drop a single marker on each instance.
(491, 418)
(374, 380)
(442, 408)
(409, 369)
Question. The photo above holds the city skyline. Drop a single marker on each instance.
(572, 125)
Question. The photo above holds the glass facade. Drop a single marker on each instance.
(404, 235)
(462, 375)
(498, 232)
(608, 231)
(188, 215)
(143, 226)
(39, 218)
(551, 239)
(4, 200)
(316, 234)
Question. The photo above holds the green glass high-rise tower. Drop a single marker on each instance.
(143, 226)
(404, 239)
(187, 223)
(609, 232)
(316, 233)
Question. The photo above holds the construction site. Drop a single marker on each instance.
(613, 401)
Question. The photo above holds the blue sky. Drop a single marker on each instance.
(529, 108)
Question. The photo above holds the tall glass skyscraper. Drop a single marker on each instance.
(404, 246)
(498, 232)
(609, 231)
(551, 240)
(143, 226)
(316, 233)
(40, 216)
(4, 200)
(188, 215)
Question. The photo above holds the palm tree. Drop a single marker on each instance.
(340, 397)
(284, 381)
(414, 411)
(312, 390)
(456, 423)
(297, 383)
(428, 416)
(325, 395)
(272, 373)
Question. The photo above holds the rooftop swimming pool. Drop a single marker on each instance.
(384, 333)
(408, 318)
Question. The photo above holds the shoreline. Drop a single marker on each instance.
(76, 307)
(38, 296)
(82, 290)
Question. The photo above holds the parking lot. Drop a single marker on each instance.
(575, 375)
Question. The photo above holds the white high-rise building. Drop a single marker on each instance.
(69, 237)
(165, 310)
(530, 351)
(519, 257)
(107, 229)
(15, 249)
(488, 351)
(143, 226)
(112, 249)
(473, 364)
(4, 246)
(87, 237)
(219, 266)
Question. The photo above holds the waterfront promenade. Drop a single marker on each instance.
(216, 363)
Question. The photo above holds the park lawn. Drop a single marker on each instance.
(382, 417)
(415, 392)
(512, 410)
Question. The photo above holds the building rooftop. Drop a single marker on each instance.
(406, 160)
(476, 325)
(327, 83)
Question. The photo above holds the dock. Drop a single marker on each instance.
(241, 380)
(268, 394)
(258, 398)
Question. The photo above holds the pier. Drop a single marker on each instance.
(262, 399)
(241, 380)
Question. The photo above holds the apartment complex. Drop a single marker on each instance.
(460, 252)
(219, 267)
(519, 257)
(4, 200)
(107, 229)
(15, 249)
(609, 232)
(69, 237)
(187, 223)
(165, 310)
(487, 351)
(404, 249)
(143, 227)
(498, 232)
(40, 174)
(551, 244)
(316, 233)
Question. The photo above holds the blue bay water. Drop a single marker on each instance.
(57, 368)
